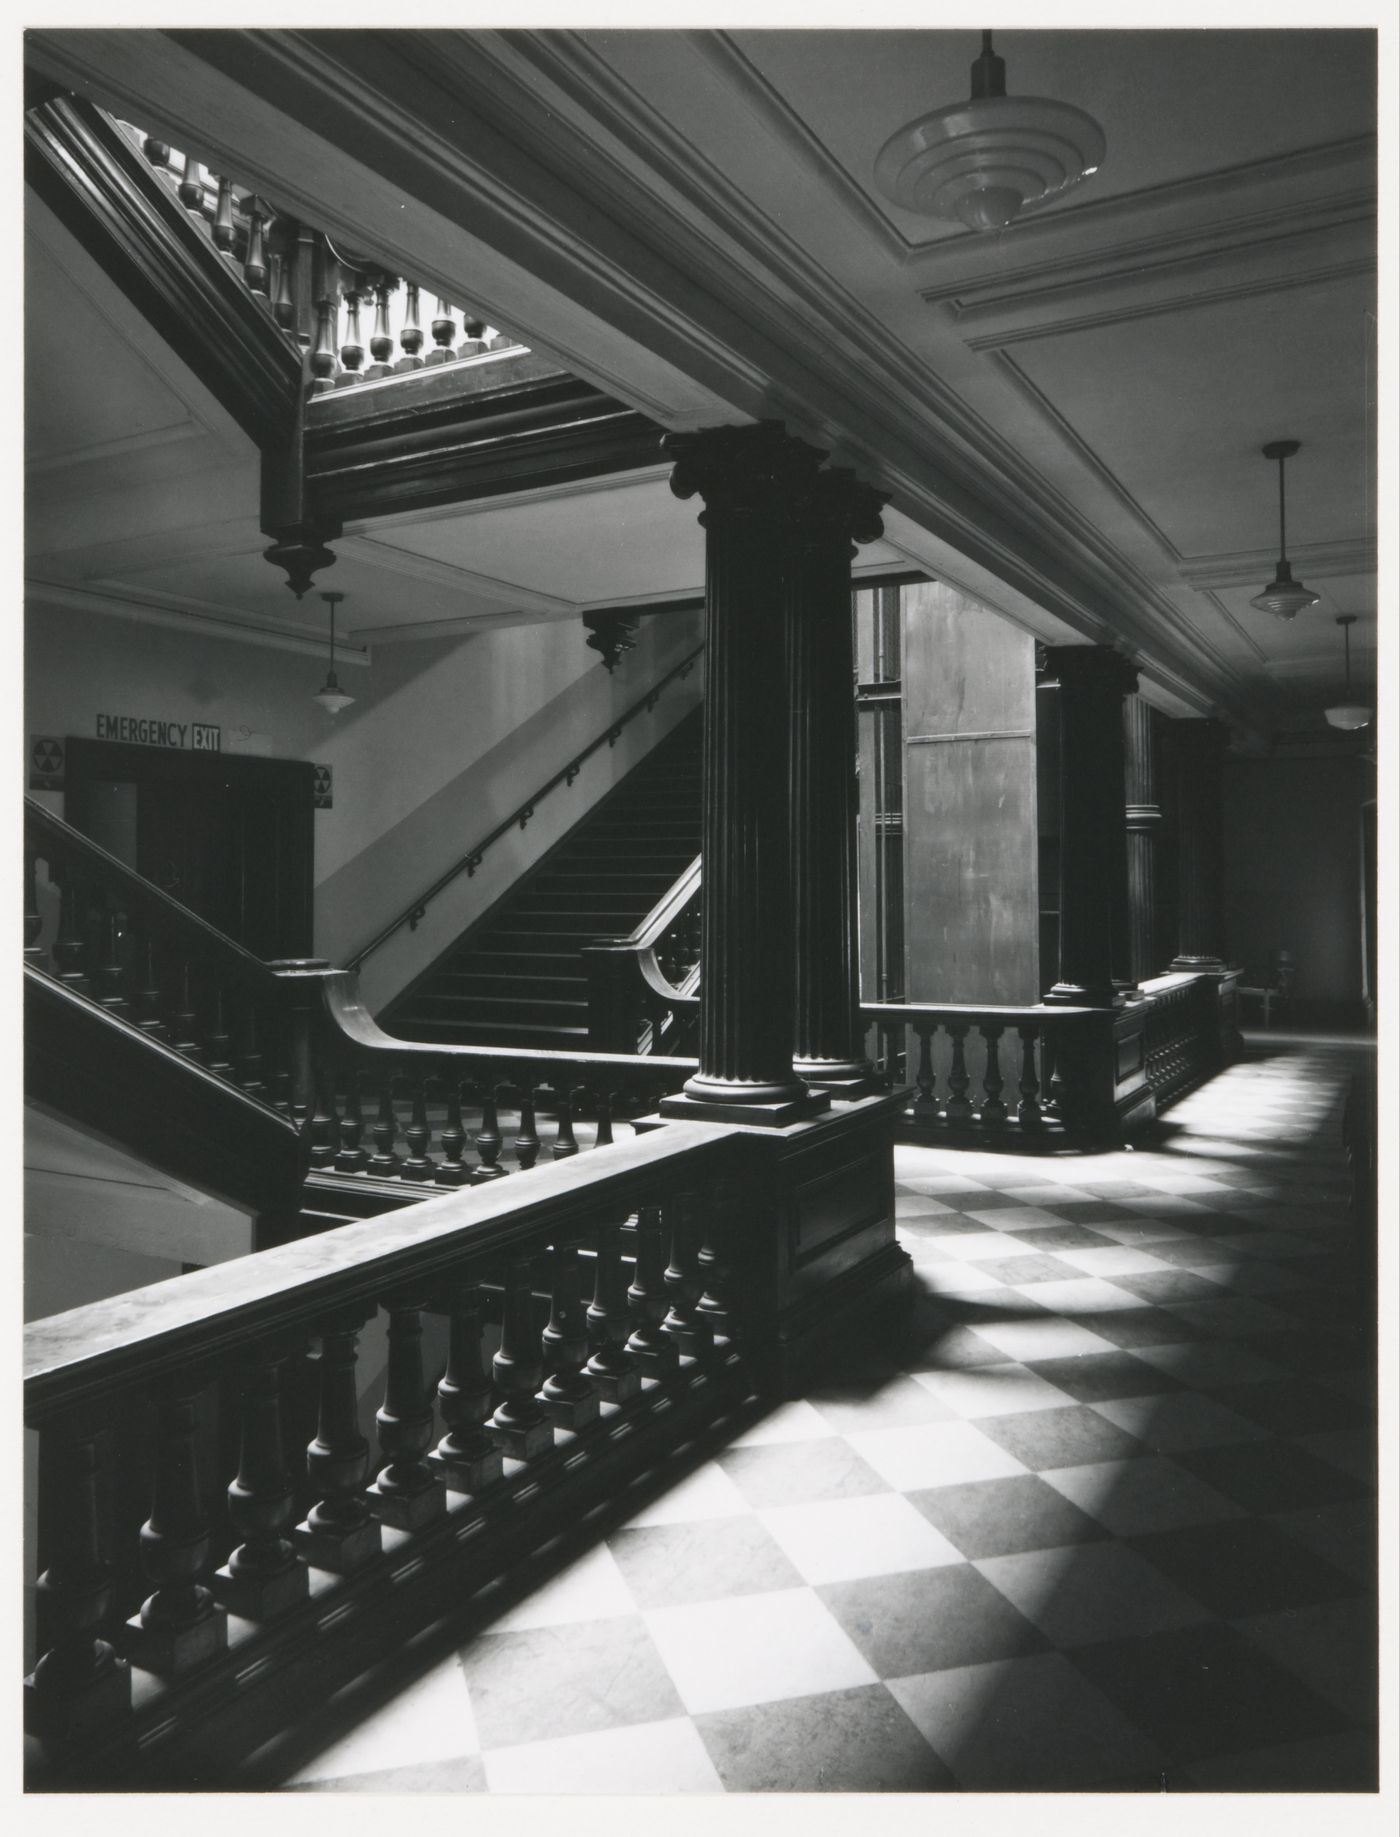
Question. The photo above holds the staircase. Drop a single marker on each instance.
(516, 977)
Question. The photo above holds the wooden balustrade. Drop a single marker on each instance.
(258, 242)
(474, 1470)
(643, 990)
(295, 1034)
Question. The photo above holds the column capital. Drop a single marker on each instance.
(1091, 667)
(759, 468)
(841, 508)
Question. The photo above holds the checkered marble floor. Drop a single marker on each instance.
(1105, 1521)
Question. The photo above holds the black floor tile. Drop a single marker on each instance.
(1062, 1237)
(1030, 1268)
(1204, 1690)
(1242, 1566)
(1005, 1517)
(1316, 1349)
(1169, 1285)
(1092, 1211)
(1098, 1377)
(1071, 1437)
(1271, 1476)
(1294, 1406)
(930, 1620)
(840, 1741)
(1145, 1326)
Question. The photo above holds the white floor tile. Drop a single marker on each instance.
(993, 1390)
(647, 1757)
(1112, 1260)
(1082, 1295)
(429, 1720)
(590, 1589)
(1047, 1338)
(790, 1422)
(757, 1649)
(837, 1540)
(1083, 1593)
(933, 1454)
(980, 1246)
(707, 1493)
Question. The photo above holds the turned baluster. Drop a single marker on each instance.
(184, 1022)
(993, 1109)
(611, 1372)
(712, 1261)
(381, 343)
(1028, 1110)
(959, 1107)
(79, 1684)
(156, 151)
(499, 340)
(255, 265)
(564, 1142)
(603, 1107)
(466, 1458)
(452, 1169)
(488, 1140)
(473, 338)
(324, 360)
(322, 1129)
(110, 975)
(33, 918)
(338, 1533)
(190, 190)
(352, 352)
(223, 232)
(519, 1426)
(418, 1164)
(924, 1102)
(216, 1041)
(384, 1131)
(410, 332)
(646, 1298)
(689, 1330)
(70, 947)
(351, 1156)
(179, 1626)
(263, 1576)
(444, 328)
(407, 1493)
(527, 1141)
(566, 1396)
(250, 1059)
(283, 305)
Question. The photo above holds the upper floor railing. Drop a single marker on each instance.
(358, 322)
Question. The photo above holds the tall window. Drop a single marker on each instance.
(876, 611)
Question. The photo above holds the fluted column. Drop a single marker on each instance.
(1093, 847)
(750, 479)
(1198, 751)
(1143, 819)
(834, 515)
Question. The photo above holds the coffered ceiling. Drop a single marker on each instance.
(1067, 414)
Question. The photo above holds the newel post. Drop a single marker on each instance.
(751, 480)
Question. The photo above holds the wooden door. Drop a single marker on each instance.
(231, 838)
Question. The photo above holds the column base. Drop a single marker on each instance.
(683, 1108)
(407, 1511)
(844, 1080)
(1081, 995)
(63, 1716)
(1196, 966)
(473, 1475)
(342, 1552)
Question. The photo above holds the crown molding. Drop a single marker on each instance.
(1324, 560)
(193, 618)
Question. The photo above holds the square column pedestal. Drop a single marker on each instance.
(810, 1240)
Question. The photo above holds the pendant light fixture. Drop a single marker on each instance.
(1348, 715)
(1284, 597)
(330, 694)
(984, 161)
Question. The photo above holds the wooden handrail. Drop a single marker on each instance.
(200, 1317)
(416, 910)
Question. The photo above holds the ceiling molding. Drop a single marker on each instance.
(1233, 261)
(190, 617)
(436, 573)
(1324, 560)
(98, 450)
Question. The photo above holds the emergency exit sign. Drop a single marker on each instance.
(145, 730)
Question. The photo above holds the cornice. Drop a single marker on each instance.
(1325, 560)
